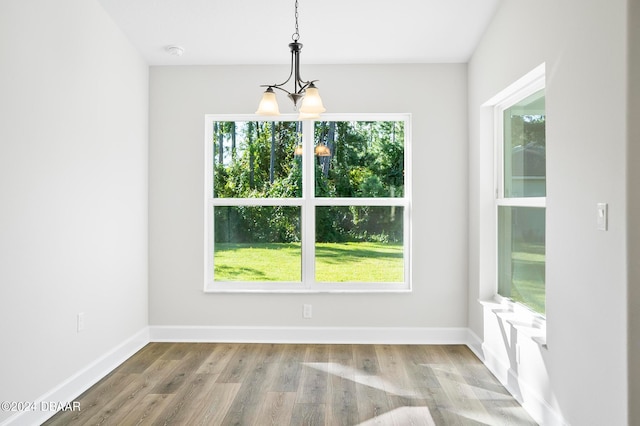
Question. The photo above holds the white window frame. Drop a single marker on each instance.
(531, 83)
(308, 202)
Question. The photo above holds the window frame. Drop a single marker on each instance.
(307, 203)
(529, 85)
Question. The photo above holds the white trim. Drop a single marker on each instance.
(522, 202)
(78, 383)
(475, 344)
(308, 215)
(320, 201)
(311, 335)
(523, 392)
(530, 82)
(285, 287)
(75, 385)
(504, 307)
(208, 206)
(232, 202)
(526, 86)
(307, 203)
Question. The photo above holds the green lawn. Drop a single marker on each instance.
(335, 262)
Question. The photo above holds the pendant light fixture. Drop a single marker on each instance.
(305, 91)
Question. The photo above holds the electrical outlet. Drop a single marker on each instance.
(306, 311)
(81, 322)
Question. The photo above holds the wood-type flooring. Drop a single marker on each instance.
(296, 384)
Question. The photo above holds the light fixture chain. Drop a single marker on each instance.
(304, 91)
(296, 35)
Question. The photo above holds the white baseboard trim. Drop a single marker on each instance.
(475, 344)
(530, 400)
(327, 335)
(75, 385)
(71, 388)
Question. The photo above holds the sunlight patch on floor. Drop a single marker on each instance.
(415, 416)
(482, 391)
(356, 376)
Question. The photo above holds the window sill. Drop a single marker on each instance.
(291, 288)
(525, 321)
(305, 291)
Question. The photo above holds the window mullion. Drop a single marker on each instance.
(308, 207)
(355, 201)
(522, 202)
(256, 202)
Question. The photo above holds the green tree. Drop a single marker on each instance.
(257, 159)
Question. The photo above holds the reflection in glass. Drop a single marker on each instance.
(359, 244)
(359, 158)
(257, 243)
(256, 159)
(525, 148)
(521, 264)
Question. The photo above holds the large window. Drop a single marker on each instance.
(307, 205)
(521, 197)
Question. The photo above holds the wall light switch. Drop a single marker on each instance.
(602, 216)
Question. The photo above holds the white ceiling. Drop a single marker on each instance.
(332, 31)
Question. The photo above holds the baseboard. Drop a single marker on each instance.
(530, 400)
(475, 344)
(327, 335)
(75, 385)
(71, 388)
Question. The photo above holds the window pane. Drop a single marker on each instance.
(524, 148)
(257, 243)
(256, 159)
(521, 264)
(359, 158)
(359, 244)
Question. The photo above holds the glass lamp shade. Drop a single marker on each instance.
(268, 104)
(311, 103)
(323, 151)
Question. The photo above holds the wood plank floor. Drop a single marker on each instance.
(271, 384)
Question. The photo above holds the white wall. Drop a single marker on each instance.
(633, 212)
(73, 191)
(434, 94)
(73, 185)
(583, 373)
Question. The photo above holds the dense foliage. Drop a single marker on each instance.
(264, 160)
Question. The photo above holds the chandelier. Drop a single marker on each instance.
(311, 106)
